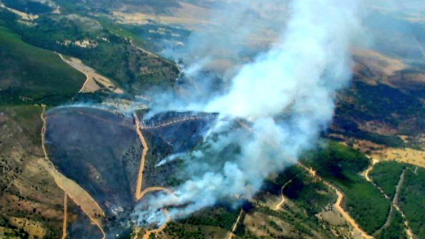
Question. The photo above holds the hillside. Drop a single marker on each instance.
(102, 118)
(33, 75)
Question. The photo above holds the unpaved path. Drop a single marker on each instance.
(346, 215)
(409, 231)
(369, 179)
(160, 229)
(65, 216)
(390, 213)
(338, 203)
(340, 195)
(368, 170)
(235, 226)
(394, 203)
(83, 199)
(139, 193)
(143, 159)
(387, 222)
(153, 189)
(282, 202)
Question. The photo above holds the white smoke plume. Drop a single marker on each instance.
(287, 94)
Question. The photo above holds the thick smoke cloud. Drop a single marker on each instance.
(287, 95)
(234, 27)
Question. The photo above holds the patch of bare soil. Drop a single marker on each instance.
(191, 16)
(374, 68)
(22, 15)
(332, 217)
(259, 224)
(377, 127)
(380, 153)
(94, 81)
(378, 62)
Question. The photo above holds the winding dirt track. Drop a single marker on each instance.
(394, 203)
(340, 195)
(143, 159)
(282, 202)
(366, 175)
(153, 189)
(390, 213)
(338, 203)
(85, 73)
(65, 216)
(346, 215)
(368, 170)
(160, 229)
(87, 204)
(139, 193)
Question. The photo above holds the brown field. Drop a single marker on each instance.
(384, 65)
(191, 16)
(380, 153)
(406, 155)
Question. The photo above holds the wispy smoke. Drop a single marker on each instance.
(287, 96)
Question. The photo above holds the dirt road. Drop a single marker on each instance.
(394, 203)
(160, 229)
(282, 202)
(139, 193)
(346, 215)
(368, 170)
(409, 231)
(235, 226)
(338, 204)
(65, 217)
(340, 195)
(369, 179)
